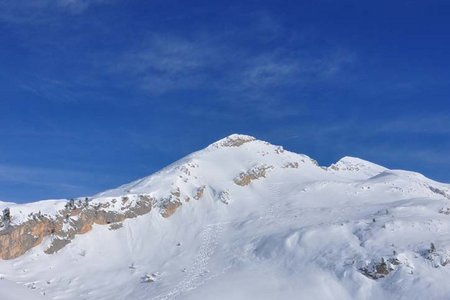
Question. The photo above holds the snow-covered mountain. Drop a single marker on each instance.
(240, 219)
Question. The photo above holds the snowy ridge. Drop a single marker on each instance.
(355, 167)
(244, 209)
(239, 153)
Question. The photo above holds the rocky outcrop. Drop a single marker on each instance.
(16, 240)
(439, 191)
(57, 244)
(245, 178)
(224, 197)
(115, 226)
(437, 257)
(234, 140)
(199, 194)
(377, 270)
(445, 211)
(86, 217)
(293, 165)
(79, 218)
(170, 204)
(169, 208)
(75, 219)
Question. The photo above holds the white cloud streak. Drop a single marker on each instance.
(32, 11)
(170, 63)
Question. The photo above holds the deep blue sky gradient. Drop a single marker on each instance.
(96, 93)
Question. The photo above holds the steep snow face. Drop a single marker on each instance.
(254, 221)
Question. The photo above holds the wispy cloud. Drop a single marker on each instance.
(284, 67)
(437, 123)
(268, 70)
(236, 65)
(61, 181)
(30, 11)
(169, 63)
(77, 6)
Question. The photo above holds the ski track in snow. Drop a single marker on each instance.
(275, 211)
(130, 239)
(196, 274)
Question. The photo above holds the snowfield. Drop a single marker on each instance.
(255, 222)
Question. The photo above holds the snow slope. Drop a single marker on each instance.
(13, 291)
(268, 224)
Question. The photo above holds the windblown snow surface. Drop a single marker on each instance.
(294, 231)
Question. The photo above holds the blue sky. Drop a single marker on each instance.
(96, 93)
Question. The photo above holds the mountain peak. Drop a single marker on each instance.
(233, 140)
(222, 161)
(354, 166)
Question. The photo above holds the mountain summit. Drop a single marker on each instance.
(240, 219)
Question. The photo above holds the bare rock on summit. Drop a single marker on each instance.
(234, 140)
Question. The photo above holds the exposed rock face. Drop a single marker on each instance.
(88, 216)
(170, 208)
(79, 218)
(17, 239)
(199, 194)
(245, 178)
(57, 244)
